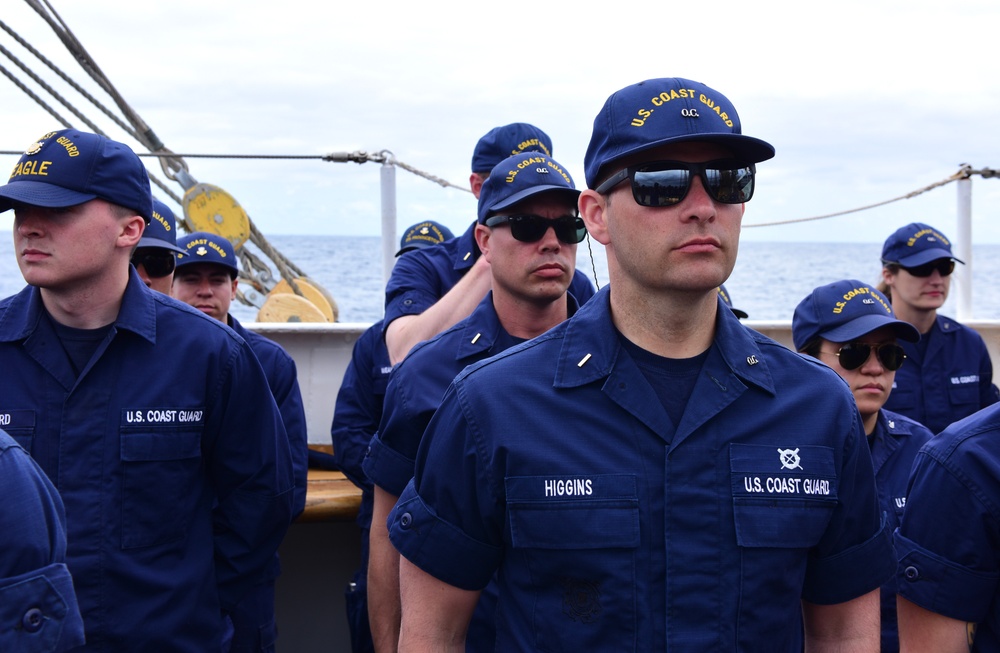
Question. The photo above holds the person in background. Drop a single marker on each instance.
(850, 326)
(356, 416)
(153, 258)
(949, 558)
(649, 475)
(38, 609)
(431, 289)
(948, 374)
(528, 229)
(154, 422)
(724, 295)
(205, 279)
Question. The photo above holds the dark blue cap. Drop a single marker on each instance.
(662, 111)
(70, 167)
(845, 310)
(915, 244)
(161, 231)
(205, 247)
(522, 176)
(508, 140)
(424, 234)
(724, 294)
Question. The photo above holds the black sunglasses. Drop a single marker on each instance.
(854, 354)
(665, 183)
(157, 262)
(530, 228)
(943, 265)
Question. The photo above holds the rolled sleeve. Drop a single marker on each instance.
(387, 468)
(939, 585)
(852, 572)
(438, 547)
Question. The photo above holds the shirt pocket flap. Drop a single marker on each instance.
(573, 512)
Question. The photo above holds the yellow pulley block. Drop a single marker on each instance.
(313, 292)
(209, 208)
(284, 307)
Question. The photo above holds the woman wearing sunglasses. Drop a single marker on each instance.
(851, 327)
(948, 374)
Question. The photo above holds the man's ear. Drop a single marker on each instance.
(131, 231)
(594, 211)
(483, 235)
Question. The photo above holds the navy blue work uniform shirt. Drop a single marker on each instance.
(555, 466)
(948, 380)
(170, 456)
(422, 276)
(283, 380)
(415, 390)
(254, 625)
(949, 560)
(356, 416)
(894, 446)
(38, 609)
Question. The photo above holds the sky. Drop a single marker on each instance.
(864, 101)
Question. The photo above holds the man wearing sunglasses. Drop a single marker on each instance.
(154, 257)
(850, 326)
(527, 231)
(206, 279)
(156, 425)
(948, 374)
(649, 475)
(435, 287)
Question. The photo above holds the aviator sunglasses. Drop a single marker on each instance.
(157, 262)
(854, 354)
(530, 228)
(943, 265)
(665, 183)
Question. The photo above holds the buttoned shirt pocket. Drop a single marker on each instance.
(161, 469)
(963, 392)
(20, 425)
(783, 497)
(578, 538)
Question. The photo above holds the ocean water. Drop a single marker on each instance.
(769, 280)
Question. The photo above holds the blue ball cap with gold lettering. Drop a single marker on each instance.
(69, 167)
(521, 176)
(423, 234)
(508, 140)
(161, 232)
(915, 244)
(662, 111)
(205, 247)
(844, 310)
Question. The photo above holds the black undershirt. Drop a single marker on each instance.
(673, 379)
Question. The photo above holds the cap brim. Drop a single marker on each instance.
(926, 256)
(868, 323)
(531, 192)
(37, 193)
(159, 244)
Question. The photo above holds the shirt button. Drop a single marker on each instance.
(32, 620)
(405, 520)
(911, 573)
